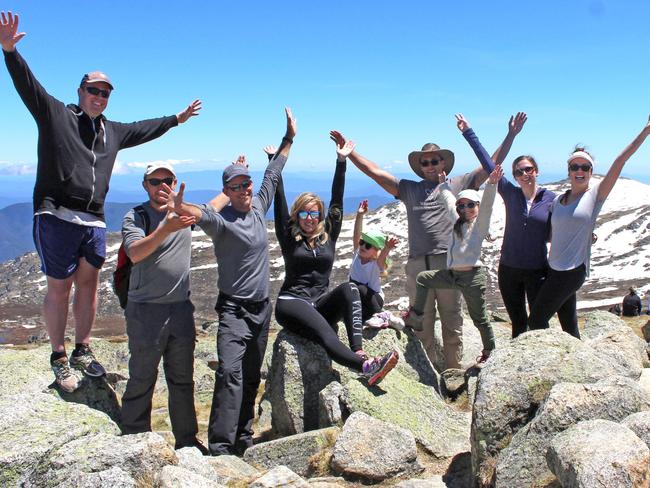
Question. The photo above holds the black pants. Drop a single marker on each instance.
(158, 331)
(517, 285)
(558, 294)
(318, 322)
(371, 301)
(241, 343)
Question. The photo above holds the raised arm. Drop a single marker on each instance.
(382, 259)
(470, 136)
(487, 200)
(280, 213)
(383, 178)
(515, 124)
(447, 195)
(176, 204)
(358, 224)
(614, 172)
(9, 35)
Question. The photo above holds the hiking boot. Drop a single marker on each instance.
(380, 320)
(413, 319)
(193, 443)
(84, 360)
(375, 369)
(66, 378)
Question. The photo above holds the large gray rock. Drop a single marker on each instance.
(523, 462)
(31, 425)
(111, 478)
(516, 380)
(301, 452)
(597, 453)
(639, 423)
(177, 477)
(435, 482)
(140, 455)
(279, 477)
(373, 450)
(191, 459)
(231, 468)
(330, 409)
(615, 339)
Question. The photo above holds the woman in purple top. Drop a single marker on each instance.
(523, 263)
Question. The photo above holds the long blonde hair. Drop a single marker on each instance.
(320, 234)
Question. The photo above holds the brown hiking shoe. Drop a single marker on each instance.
(66, 378)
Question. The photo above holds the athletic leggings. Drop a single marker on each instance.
(371, 301)
(318, 321)
(516, 285)
(558, 294)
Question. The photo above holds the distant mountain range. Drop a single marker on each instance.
(620, 259)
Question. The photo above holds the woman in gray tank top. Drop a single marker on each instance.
(573, 217)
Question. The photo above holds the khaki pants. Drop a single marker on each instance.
(447, 303)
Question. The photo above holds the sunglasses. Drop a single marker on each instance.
(433, 162)
(312, 214)
(583, 167)
(365, 244)
(461, 206)
(524, 171)
(158, 181)
(244, 185)
(96, 91)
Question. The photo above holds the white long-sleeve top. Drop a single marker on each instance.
(465, 251)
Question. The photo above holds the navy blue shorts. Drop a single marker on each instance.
(60, 244)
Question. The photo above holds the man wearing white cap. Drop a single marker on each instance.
(159, 313)
(77, 147)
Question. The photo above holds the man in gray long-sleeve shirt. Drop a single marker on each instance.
(240, 241)
(159, 313)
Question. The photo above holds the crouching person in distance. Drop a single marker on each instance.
(159, 313)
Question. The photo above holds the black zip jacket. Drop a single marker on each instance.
(76, 154)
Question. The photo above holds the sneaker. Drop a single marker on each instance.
(375, 369)
(395, 322)
(380, 320)
(65, 377)
(413, 319)
(86, 362)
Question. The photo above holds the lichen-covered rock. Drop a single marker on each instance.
(191, 459)
(639, 423)
(300, 452)
(31, 425)
(597, 453)
(140, 455)
(279, 477)
(516, 380)
(178, 477)
(646, 331)
(111, 478)
(523, 462)
(374, 450)
(231, 468)
(330, 411)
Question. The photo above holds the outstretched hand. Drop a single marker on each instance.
(516, 123)
(391, 242)
(343, 147)
(241, 160)
(174, 222)
(174, 199)
(496, 175)
(363, 207)
(461, 123)
(442, 177)
(9, 35)
(291, 124)
(192, 110)
(270, 150)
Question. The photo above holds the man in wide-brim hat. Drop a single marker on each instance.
(429, 232)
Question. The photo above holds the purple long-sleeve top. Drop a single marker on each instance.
(526, 233)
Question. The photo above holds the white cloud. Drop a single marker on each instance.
(16, 169)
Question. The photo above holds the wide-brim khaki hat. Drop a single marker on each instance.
(428, 150)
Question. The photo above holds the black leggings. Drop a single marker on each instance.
(371, 301)
(558, 294)
(318, 322)
(516, 285)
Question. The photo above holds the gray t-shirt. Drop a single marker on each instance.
(572, 227)
(429, 228)
(241, 241)
(164, 275)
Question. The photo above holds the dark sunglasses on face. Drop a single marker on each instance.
(96, 91)
(433, 162)
(461, 206)
(313, 214)
(244, 185)
(583, 167)
(365, 244)
(522, 171)
(158, 181)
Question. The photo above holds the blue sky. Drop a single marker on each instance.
(389, 76)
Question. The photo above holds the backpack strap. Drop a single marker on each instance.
(145, 218)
